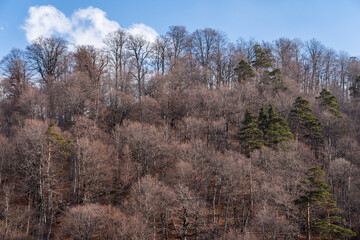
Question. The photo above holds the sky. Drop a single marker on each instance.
(335, 23)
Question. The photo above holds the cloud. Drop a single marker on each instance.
(86, 26)
(91, 25)
(141, 29)
(45, 21)
(2, 28)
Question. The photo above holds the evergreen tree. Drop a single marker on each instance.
(262, 57)
(276, 79)
(277, 129)
(320, 208)
(329, 101)
(250, 135)
(333, 126)
(355, 88)
(262, 119)
(244, 71)
(306, 123)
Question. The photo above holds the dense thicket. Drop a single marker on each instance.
(188, 137)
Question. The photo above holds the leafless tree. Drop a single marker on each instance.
(315, 51)
(153, 200)
(16, 70)
(205, 43)
(92, 62)
(140, 50)
(343, 62)
(94, 221)
(160, 53)
(116, 48)
(47, 57)
(41, 150)
(178, 40)
(92, 170)
(287, 54)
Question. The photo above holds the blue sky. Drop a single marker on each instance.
(334, 23)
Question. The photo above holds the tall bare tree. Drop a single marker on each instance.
(117, 53)
(160, 53)
(92, 62)
(315, 51)
(47, 56)
(140, 50)
(179, 37)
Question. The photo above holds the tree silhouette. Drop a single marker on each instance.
(320, 208)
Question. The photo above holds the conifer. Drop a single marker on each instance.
(316, 200)
(329, 101)
(306, 123)
(250, 135)
(262, 119)
(355, 88)
(244, 71)
(262, 57)
(277, 129)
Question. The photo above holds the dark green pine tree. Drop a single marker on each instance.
(329, 101)
(306, 124)
(277, 80)
(262, 57)
(277, 129)
(355, 88)
(320, 209)
(333, 126)
(250, 135)
(244, 71)
(262, 119)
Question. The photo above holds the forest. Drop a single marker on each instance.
(191, 136)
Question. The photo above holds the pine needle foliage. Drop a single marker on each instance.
(317, 202)
(277, 129)
(329, 101)
(250, 134)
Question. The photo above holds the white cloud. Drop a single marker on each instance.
(45, 21)
(141, 29)
(91, 25)
(2, 28)
(85, 26)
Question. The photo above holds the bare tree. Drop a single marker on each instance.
(160, 53)
(329, 72)
(140, 50)
(287, 54)
(343, 62)
(93, 63)
(17, 73)
(178, 36)
(92, 170)
(153, 200)
(47, 56)
(94, 221)
(116, 47)
(315, 51)
(204, 44)
(41, 150)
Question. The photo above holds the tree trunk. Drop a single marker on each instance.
(185, 225)
(308, 221)
(213, 205)
(251, 190)
(226, 214)
(154, 228)
(297, 130)
(28, 214)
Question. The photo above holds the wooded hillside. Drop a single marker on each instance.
(188, 137)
